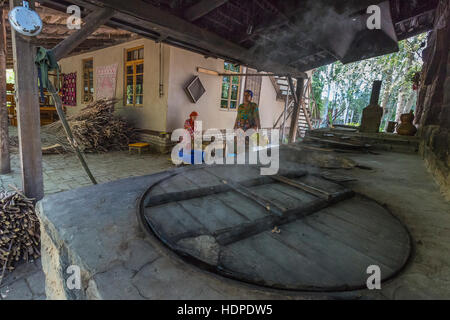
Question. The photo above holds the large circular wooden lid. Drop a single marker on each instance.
(295, 231)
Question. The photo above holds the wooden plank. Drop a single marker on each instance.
(28, 114)
(350, 265)
(360, 212)
(92, 23)
(347, 247)
(320, 183)
(172, 221)
(270, 206)
(303, 186)
(293, 192)
(250, 195)
(247, 210)
(207, 212)
(212, 214)
(168, 196)
(274, 195)
(236, 173)
(202, 8)
(389, 252)
(272, 263)
(228, 236)
(5, 161)
(178, 188)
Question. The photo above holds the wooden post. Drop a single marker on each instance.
(28, 113)
(5, 161)
(298, 96)
(376, 89)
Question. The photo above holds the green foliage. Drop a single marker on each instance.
(9, 76)
(348, 87)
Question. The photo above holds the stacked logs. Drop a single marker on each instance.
(19, 230)
(95, 128)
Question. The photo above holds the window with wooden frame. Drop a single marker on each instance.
(88, 80)
(230, 88)
(134, 76)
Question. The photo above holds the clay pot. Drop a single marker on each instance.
(391, 126)
(406, 128)
(407, 117)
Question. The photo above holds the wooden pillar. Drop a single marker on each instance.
(376, 89)
(5, 161)
(28, 113)
(297, 105)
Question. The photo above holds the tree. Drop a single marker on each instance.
(350, 85)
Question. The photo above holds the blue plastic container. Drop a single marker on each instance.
(191, 158)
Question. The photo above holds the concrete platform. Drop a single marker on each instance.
(378, 141)
(96, 228)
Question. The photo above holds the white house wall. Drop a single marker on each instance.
(183, 67)
(152, 115)
(166, 113)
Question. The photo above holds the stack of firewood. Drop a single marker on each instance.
(95, 129)
(19, 230)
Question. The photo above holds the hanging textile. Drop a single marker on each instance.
(69, 89)
(106, 81)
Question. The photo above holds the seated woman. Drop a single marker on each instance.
(189, 123)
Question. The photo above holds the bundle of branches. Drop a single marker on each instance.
(19, 230)
(95, 128)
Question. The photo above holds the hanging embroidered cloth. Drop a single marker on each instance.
(69, 89)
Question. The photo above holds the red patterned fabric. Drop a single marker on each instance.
(69, 89)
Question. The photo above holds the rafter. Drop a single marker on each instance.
(202, 8)
(149, 17)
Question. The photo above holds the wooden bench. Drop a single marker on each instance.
(139, 147)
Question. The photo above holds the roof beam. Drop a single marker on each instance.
(157, 20)
(202, 8)
(93, 22)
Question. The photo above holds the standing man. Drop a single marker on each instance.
(248, 114)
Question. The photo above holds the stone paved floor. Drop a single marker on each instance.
(62, 173)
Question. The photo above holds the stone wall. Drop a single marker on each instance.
(159, 141)
(433, 108)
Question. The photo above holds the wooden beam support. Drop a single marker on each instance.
(28, 114)
(296, 111)
(246, 230)
(92, 23)
(5, 161)
(164, 198)
(202, 8)
(149, 17)
(303, 186)
(231, 235)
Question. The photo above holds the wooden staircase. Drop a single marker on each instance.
(281, 86)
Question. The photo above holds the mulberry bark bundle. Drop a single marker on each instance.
(19, 230)
(95, 128)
